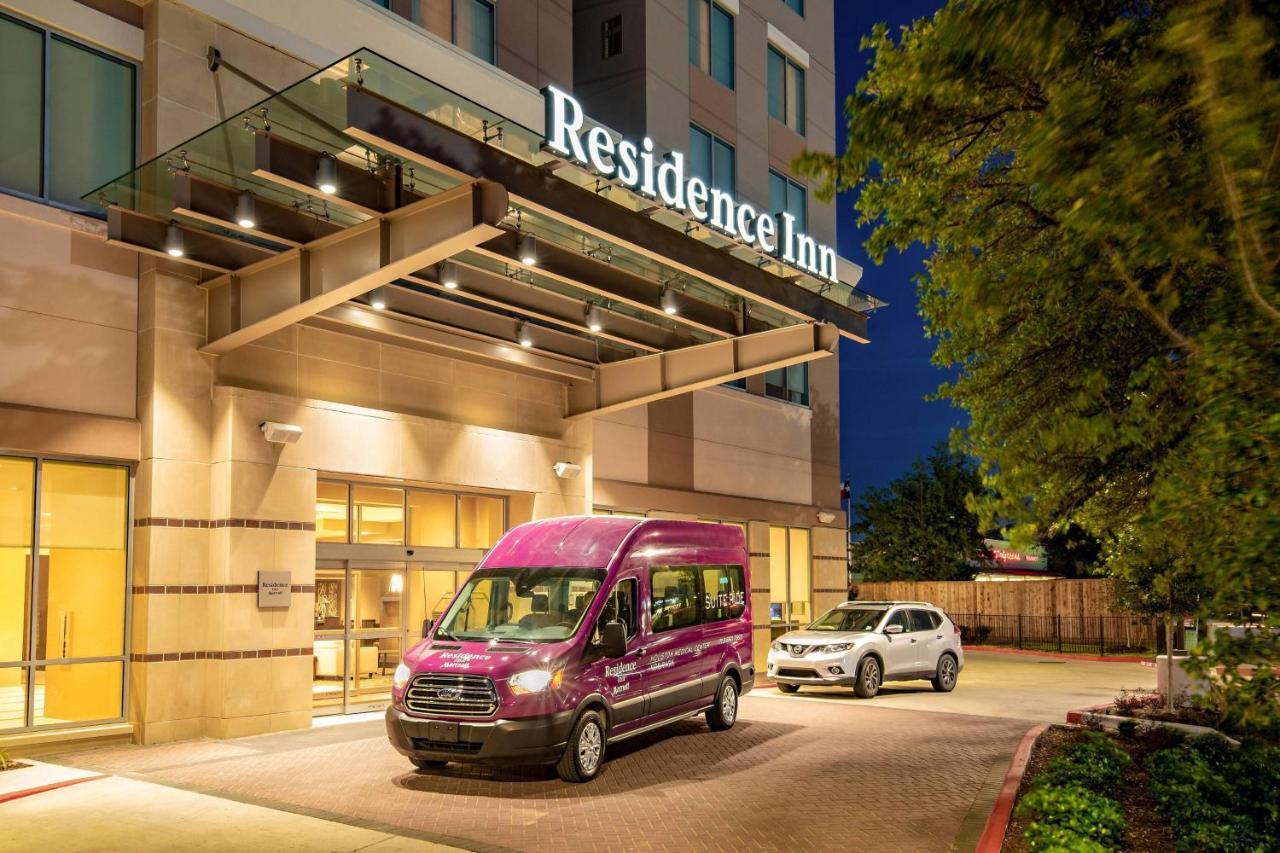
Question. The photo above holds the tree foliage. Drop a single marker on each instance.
(1097, 184)
(919, 528)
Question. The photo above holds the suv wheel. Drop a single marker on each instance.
(584, 752)
(867, 684)
(788, 688)
(945, 679)
(722, 714)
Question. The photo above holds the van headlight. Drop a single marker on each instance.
(401, 677)
(835, 647)
(535, 680)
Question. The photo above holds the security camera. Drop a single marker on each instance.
(566, 470)
(278, 433)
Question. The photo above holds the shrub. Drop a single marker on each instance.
(1059, 812)
(1127, 729)
(5, 761)
(975, 635)
(1128, 702)
(1096, 763)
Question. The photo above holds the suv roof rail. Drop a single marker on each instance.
(891, 601)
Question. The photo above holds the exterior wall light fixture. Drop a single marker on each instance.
(566, 470)
(173, 243)
(826, 517)
(245, 209)
(327, 174)
(378, 298)
(278, 433)
(525, 335)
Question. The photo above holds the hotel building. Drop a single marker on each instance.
(299, 313)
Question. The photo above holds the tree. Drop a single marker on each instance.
(920, 528)
(1097, 184)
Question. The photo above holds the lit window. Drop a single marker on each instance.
(796, 6)
(786, 90)
(611, 37)
(787, 196)
(713, 160)
(331, 512)
(379, 515)
(480, 521)
(69, 115)
(711, 40)
(473, 28)
(433, 519)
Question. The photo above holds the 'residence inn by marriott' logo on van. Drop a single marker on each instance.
(636, 167)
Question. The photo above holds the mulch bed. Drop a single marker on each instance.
(1147, 831)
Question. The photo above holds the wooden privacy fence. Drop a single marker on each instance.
(1049, 615)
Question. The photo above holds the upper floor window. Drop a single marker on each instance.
(473, 28)
(70, 114)
(789, 383)
(611, 37)
(796, 6)
(711, 39)
(713, 160)
(786, 90)
(787, 196)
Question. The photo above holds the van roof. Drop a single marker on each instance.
(590, 541)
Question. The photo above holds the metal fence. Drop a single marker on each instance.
(1100, 635)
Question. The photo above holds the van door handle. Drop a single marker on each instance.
(640, 653)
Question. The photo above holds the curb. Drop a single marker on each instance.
(998, 822)
(1076, 717)
(52, 786)
(1063, 655)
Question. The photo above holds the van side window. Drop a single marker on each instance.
(620, 606)
(723, 593)
(674, 593)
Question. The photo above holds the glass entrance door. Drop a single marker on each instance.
(366, 615)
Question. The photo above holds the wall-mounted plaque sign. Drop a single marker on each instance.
(273, 589)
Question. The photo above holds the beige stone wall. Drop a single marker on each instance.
(68, 313)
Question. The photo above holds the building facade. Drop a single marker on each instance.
(229, 387)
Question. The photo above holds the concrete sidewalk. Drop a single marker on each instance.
(118, 813)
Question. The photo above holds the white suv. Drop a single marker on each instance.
(865, 643)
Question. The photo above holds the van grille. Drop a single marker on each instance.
(451, 695)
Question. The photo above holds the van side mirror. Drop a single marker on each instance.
(426, 626)
(893, 629)
(613, 639)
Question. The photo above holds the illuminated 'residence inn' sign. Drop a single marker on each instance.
(635, 167)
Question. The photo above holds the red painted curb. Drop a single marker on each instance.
(1076, 717)
(998, 821)
(1063, 655)
(53, 786)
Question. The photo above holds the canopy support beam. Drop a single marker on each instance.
(636, 381)
(261, 298)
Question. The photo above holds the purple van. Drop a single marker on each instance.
(578, 632)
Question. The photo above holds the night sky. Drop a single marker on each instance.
(885, 422)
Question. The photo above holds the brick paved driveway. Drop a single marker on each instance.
(789, 776)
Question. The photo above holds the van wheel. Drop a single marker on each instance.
(945, 679)
(788, 688)
(584, 752)
(867, 684)
(724, 712)
(427, 763)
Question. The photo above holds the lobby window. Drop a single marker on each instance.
(473, 28)
(63, 590)
(786, 90)
(796, 6)
(69, 115)
(790, 577)
(378, 514)
(711, 39)
(713, 160)
(787, 196)
(788, 383)
(381, 515)
(611, 37)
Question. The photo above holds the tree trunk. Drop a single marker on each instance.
(1168, 654)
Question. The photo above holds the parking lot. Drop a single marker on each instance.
(909, 770)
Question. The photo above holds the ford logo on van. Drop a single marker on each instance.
(449, 693)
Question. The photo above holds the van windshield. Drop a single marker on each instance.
(541, 605)
(841, 619)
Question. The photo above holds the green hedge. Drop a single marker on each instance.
(1070, 804)
(1218, 798)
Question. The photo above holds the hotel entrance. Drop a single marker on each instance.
(388, 558)
(366, 615)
